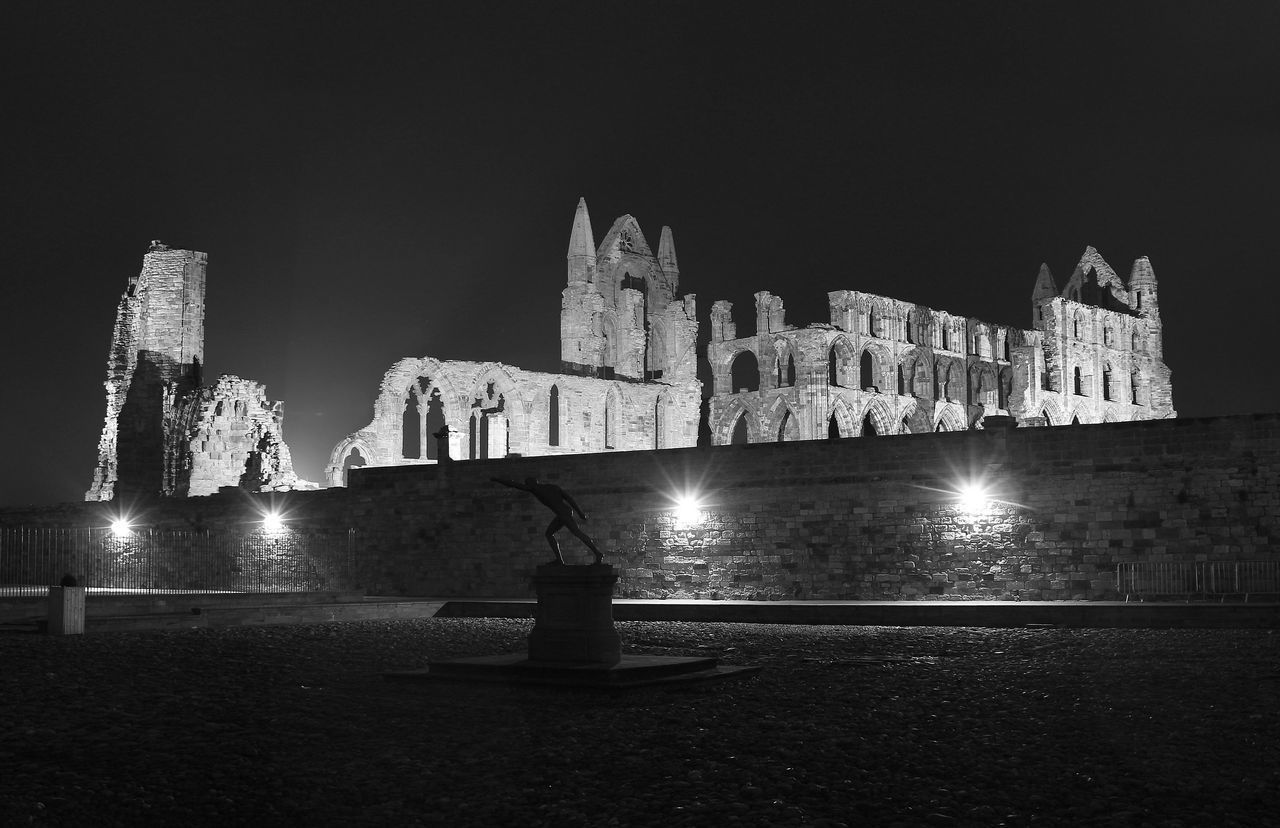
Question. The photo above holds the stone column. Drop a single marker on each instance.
(574, 620)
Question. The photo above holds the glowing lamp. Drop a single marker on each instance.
(120, 528)
(973, 498)
(688, 511)
(272, 522)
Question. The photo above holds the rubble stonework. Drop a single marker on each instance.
(232, 437)
(157, 348)
(628, 359)
(884, 366)
(163, 433)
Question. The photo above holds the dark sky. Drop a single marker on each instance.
(393, 180)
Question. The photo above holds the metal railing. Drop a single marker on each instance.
(289, 560)
(1185, 579)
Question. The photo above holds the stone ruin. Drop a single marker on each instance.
(164, 432)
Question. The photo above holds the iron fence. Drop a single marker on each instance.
(288, 560)
(1210, 579)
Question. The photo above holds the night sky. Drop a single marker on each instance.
(399, 180)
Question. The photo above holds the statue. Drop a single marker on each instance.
(557, 500)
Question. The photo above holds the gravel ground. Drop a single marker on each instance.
(844, 726)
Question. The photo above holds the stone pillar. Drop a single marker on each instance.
(574, 620)
(66, 610)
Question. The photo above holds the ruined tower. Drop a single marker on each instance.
(157, 348)
(620, 316)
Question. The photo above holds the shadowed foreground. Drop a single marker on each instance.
(846, 725)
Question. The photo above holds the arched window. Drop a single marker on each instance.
(1134, 386)
(740, 436)
(1133, 341)
(868, 427)
(1108, 336)
(432, 422)
(903, 383)
(353, 460)
(553, 416)
(946, 335)
(833, 428)
(867, 371)
(1075, 421)
(411, 429)
(745, 372)
(1075, 326)
(1106, 382)
(1078, 381)
(786, 370)
(782, 427)
(791, 370)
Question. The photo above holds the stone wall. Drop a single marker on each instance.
(859, 518)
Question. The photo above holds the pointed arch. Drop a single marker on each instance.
(840, 362)
(877, 415)
(840, 420)
(950, 418)
(728, 423)
(1052, 412)
(553, 415)
(780, 422)
(498, 421)
(873, 364)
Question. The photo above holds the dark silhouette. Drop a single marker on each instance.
(68, 580)
(557, 500)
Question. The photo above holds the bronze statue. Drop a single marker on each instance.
(557, 500)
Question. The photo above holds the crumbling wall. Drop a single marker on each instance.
(157, 348)
(232, 436)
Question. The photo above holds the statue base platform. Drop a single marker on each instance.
(574, 643)
(630, 671)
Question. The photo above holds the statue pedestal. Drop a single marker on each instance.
(574, 620)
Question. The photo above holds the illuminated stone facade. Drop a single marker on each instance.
(628, 382)
(885, 366)
(163, 433)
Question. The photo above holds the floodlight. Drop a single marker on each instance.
(973, 498)
(120, 528)
(272, 522)
(688, 511)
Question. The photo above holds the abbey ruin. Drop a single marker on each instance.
(884, 366)
(164, 432)
(628, 382)
(628, 378)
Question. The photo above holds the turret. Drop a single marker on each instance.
(582, 247)
(1045, 290)
(667, 260)
(1142, 288)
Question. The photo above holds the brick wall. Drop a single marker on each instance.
(862, 518)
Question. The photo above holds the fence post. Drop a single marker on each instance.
(66, 610)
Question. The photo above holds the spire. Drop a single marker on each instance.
(667, 251)
(582, 246)
(1142, 273)
(1046, 287)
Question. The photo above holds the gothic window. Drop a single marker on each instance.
(740, 436)
(876, 323)
(1108, 336)
(745, 372)
(1075, 326)
(902, 379)
(353, 460)
(1078, 381)
(791, 370)
(411, 429)
(868, 427)
(432, 422)
(833, 428)
(946, 336)
(1005, 389)
(1133, 342)
(1006, 347)
(1133, 388)
(553, 416)
(1137, 298)
(1075, 421)
(782, 427)
(1106, 382)
(866, 371)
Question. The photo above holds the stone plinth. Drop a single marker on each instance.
(574, 620)
(66, 610)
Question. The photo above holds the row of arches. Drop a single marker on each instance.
(740, 424)
(915, 374)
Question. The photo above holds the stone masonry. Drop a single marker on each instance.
(884, 366)
(628, 381)
(163, 433)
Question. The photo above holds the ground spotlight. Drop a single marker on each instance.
(120, 528)
(973, 498)
(272, 522)
(688, 511)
